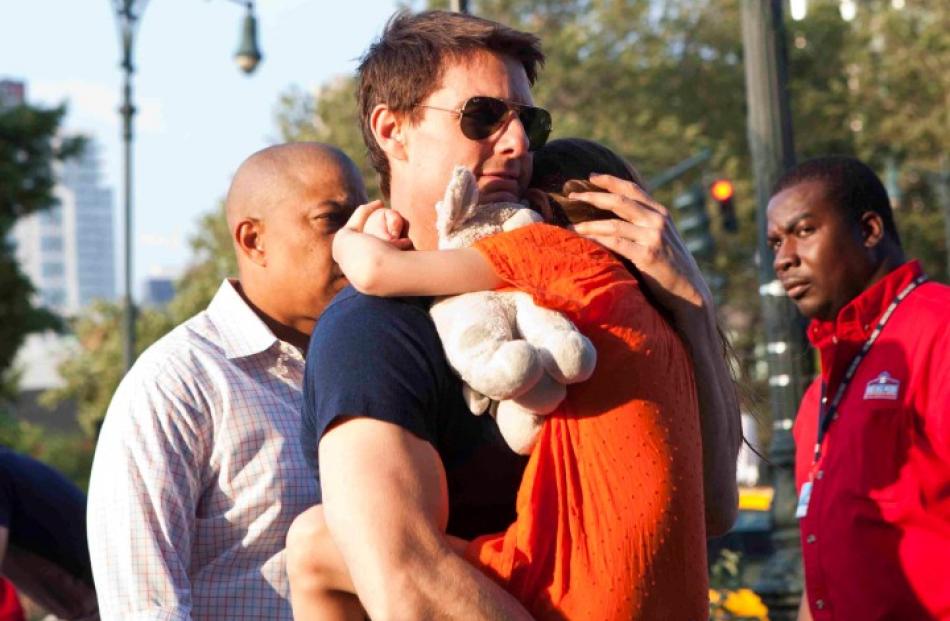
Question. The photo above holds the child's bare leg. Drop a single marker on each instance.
(320, 585)
(459, 546)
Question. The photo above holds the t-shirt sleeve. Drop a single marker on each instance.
(558, 268)
(371, 357)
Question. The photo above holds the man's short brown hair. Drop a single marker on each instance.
(406, 64)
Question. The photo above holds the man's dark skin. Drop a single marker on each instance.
(825, 257)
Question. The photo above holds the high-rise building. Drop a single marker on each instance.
(12, 93)
(68, 251)
(157, 291)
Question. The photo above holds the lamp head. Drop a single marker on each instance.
(248, 54)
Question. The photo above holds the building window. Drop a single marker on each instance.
(52, 216)
(54, 297)
(51, 244)
(52, 270)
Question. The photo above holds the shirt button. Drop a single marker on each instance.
(820, 604)
(820, 475)
(810, 539)
(824, 399)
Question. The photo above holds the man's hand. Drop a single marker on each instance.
(644, 233)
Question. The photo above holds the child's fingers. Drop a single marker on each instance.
(361, 214)
(394, 224)
(403, 243)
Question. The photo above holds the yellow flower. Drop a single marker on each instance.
(745, 603)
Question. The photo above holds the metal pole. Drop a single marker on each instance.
(127, 28)
(942, 187)
(459, 6)
(772, 151)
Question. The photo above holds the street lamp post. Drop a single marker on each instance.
(772, 151)
(128, 14)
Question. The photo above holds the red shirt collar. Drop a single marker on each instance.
(859, 316)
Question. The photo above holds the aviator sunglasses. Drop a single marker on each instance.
(480, 117)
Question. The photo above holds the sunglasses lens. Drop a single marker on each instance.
(537, 125)
(481, 116)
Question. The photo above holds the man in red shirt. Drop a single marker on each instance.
(873, 430)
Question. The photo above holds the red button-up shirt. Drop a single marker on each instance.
(876, 536)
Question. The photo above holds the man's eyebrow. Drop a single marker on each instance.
(327, 204)
(790, 224)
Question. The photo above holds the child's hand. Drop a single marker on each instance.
(380, 222)
(387, 225)
(362, 246)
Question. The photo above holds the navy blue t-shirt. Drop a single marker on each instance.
(44, 512)
(382, 358)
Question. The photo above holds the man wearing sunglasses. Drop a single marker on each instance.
(401, 461)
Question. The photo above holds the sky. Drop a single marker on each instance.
(198, 115)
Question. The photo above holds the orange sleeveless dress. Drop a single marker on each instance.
(610, 522)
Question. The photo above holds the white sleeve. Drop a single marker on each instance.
(145, 484)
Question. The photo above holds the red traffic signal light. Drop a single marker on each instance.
(722, 191)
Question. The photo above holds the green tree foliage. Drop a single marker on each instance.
(212, 261)
(331, 117)
(29, 148)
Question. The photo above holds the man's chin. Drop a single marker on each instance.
(498, 197)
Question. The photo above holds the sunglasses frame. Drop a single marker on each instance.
(537, 135)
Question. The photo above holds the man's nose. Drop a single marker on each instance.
(785, 256)
(514, 137)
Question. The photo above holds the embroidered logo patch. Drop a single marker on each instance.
(882, 387)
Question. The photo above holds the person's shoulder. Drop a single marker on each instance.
(927, 310)
(933, 296)
(177, 369)
(179, 353)
(353, 318)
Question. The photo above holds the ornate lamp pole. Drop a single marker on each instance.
(128, 14)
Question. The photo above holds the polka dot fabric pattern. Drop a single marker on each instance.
(610, 519)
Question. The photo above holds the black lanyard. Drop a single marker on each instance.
(828, 414)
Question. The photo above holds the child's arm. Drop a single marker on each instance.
(377, 267)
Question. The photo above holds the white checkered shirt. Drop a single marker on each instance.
(199, 472)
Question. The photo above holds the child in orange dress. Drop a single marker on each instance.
(610, 522)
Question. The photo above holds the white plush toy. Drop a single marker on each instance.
(503, 346)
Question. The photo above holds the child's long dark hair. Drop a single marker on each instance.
(563, 166)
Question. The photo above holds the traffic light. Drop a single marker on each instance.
(693, 223)
(722, 192)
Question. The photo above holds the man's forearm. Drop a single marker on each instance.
(386, 512)
(720, 422)
(448, 587)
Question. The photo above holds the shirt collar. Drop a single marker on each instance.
(242, 332)
(859, 316)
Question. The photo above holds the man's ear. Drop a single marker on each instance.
(872, 229)
(249, 240)
(389, 131)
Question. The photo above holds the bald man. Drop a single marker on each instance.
(198, 472)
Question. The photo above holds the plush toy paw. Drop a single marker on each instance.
(518, 426)
(477, 402)
(543, 397)
(566, 354)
